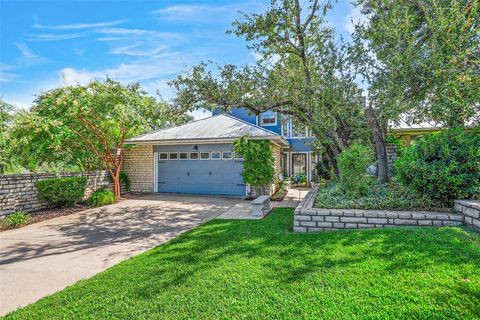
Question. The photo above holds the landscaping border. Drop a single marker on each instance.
(18, 191)
(307, 218)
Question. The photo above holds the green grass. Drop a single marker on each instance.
(392, 196)
(228, 269)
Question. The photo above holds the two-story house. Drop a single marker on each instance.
(197, 157)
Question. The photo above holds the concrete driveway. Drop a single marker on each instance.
(45, 257)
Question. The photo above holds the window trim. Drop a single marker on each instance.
(181, 158)
(190, 155)
(160, 153)
(172, 153)
(274, 115)
(212, 158)
(231, 157)
(205, 158)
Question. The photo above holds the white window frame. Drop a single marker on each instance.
(172, 153)
(237, 158)
(181, 158)
(160, 153)
(269, 116)
(205, 158)
(190, 155)
(231, 153)
(212, 158)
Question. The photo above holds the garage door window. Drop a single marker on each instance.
(163, 156)
(193, 155)
(205, 155)
(227, 155)
(173, 156)
(238, 156)
(183, 155)
(216, 155)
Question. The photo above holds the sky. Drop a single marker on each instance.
(47, 44)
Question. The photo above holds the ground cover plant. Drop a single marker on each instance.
(389, 196)
(259, 269)
(101, 197)
(15, 220)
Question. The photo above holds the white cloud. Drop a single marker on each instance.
(27, 56)
(76, 26)
(146, 69)
(53, 37)
(137, 51)
(5, 73)
(353, 18)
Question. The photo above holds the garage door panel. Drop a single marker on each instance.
(221, 177)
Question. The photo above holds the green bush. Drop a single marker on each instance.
(62, 192)
(443, 166)
(101, 197)
(353, 164)
(124, 180)
(15, 220)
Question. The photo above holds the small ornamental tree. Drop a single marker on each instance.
(258, 162)
(99, 117)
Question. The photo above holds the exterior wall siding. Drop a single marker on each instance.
(18, 191)
(138, 164)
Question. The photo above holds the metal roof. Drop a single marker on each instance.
(221, 127)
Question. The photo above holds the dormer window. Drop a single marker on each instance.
(268, 118)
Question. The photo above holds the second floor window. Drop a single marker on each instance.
(268, 119)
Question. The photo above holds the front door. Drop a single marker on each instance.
(299, 163)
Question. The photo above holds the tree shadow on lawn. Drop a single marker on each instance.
(289, 258)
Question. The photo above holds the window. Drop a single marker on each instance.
(268, 118)
(216, 155)
(173, 156)
(183, 155)
(163, 156)
(193, 155)
(227, 155)
(205, 155)
(238, 156)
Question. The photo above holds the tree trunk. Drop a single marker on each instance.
(380, 143)
(332, 154)
(116, 182)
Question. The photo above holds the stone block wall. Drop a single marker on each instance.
(18, 191)
(471, 210)
(138, 164)
(307, 218)
(391, 155)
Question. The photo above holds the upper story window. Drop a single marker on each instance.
(294, 129)
(268, 118)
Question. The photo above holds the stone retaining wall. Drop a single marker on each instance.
(471, 210)
(308, 219)
(18, 191)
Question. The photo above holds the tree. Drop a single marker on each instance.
(420, 61)
(97, 118)
(6, 117)
(301, 73)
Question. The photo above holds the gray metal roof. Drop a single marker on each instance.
(219, 127)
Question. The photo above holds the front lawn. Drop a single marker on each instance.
(259, 269)
(392, 196)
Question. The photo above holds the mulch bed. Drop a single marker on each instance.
(48, 214)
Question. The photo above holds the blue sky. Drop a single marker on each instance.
(46, 44)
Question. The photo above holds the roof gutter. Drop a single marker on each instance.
(278, 140)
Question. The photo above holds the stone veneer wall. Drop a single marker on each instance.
(391, 155)
(307, 218)
(18, 191)
(471, 210)
(138, 165)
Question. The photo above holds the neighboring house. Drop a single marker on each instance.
(197, 157)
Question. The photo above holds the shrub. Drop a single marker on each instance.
(101, 198)
(443, 166)
(15, 220)
(124, 179)
(353, 164)
(62, 192)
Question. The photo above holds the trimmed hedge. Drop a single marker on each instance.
(443, 166)
(62, 192)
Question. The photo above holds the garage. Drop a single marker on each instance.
(210, 169)
(195, 158)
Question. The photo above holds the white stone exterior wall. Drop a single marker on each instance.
(138, 164)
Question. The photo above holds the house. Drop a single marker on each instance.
(197, 157)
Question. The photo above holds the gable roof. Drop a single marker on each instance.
(219, 128)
